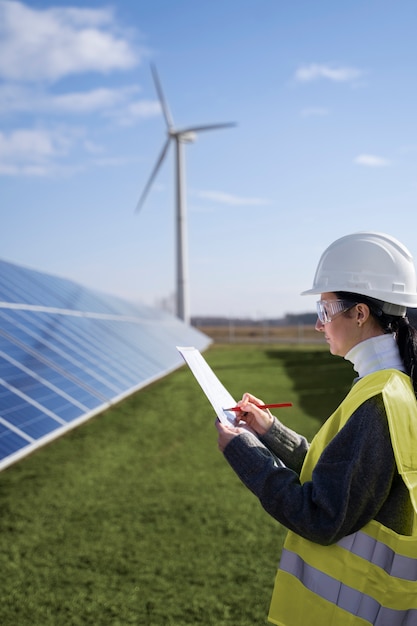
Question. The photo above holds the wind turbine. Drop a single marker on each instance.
(180, 137)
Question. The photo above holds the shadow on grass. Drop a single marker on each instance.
(320, 379)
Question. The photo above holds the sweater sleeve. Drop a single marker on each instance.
(286, 444)
(349, 485)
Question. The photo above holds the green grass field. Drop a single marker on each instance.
(135, 517)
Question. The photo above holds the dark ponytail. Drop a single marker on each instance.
(406, 336)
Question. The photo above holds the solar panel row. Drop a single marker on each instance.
(67, 353)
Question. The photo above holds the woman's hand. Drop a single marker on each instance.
(227, 433)
(260, 420)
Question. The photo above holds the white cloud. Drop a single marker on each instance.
(32, 152)
(48, 44)
(315, 71)
(15, 98)
(88, 101)
(120, 104)
(144, 108)
(50, 153)
(136, 110)
(24, 170)
(117, 103)
(231, 200)
(370, 160)
(27, 142)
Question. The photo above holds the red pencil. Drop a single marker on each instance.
(262, 406)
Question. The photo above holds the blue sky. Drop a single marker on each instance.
(324, 97)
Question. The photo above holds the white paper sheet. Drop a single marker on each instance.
(217, 394)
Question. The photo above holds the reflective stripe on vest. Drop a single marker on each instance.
(369, 577)
(381, 555)
(351, 600)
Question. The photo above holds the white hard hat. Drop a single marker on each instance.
(370, 264)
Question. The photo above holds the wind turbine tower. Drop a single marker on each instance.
(179, 137)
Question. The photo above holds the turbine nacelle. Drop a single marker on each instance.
(184, 136)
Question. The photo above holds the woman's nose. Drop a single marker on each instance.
(319, 325)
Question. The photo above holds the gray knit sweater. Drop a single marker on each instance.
(355, 480)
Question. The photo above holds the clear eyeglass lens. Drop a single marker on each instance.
(328, 309)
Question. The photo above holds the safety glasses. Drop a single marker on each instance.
(327, 310)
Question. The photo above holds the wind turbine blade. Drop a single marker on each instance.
(197, 129)
(164, 105)
(152, 176)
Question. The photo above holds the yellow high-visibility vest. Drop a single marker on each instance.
(370, 576)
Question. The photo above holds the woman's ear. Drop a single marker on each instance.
(362, 313)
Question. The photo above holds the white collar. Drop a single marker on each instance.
(374, 354)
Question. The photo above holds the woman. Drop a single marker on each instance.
(349, 499)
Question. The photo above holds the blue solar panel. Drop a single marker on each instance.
(68, 352)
